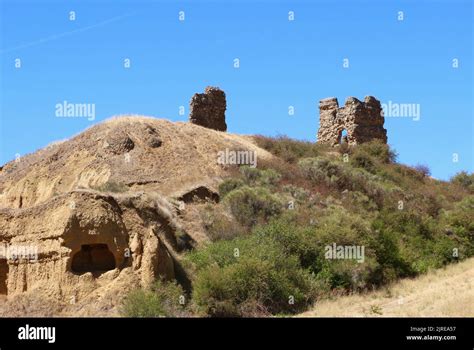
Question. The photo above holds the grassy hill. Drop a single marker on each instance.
(445, 292)
(270, 231)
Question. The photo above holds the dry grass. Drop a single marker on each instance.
(442, 293)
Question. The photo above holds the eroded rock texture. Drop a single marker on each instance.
(85, 221)
(363, 121)
(208, 109)
(84, 240)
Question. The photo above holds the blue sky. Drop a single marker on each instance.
(282, 63)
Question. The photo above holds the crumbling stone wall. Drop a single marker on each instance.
(363, 121)
(208, 109)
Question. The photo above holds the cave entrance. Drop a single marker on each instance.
(93, 258)
(3, 276)
(342, 138)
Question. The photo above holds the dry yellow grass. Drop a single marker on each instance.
(441, 293)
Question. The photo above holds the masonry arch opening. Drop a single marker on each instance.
(342, 137)
(93, 258)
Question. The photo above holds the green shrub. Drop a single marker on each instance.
(260, 177)
(250, 205)
(359, 202)
(321, 169)
(219, 224)
(417, 236)
(407, 173)
(162, 299)
(288, 149)
(309, 243)
(229, 185)
(464, 180)
(340, 176)
(379, 150)
(458, 225)
(298, 193)
(363, 160)
(261, 280)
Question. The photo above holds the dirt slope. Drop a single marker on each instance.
(143, 153)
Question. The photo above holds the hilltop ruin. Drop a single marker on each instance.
(363, 121)
(208, 109)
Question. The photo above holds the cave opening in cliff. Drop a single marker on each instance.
(3, 276)
(93, 258)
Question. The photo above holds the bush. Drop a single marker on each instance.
(361, 159)
(219, 224)
(359, 202)
(407, 172)
(321, 170)
(259, 280)
(464, 180)
(250, 205)
(259, 177)
(228, 185)
(298, 193)
(342, 177)
(309, 243)
(416, 235)
(458, 225)
(161, 300)
(288, 149)
(112, 186)
(424, 170)
(379, 150)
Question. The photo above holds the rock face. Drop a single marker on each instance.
(88, 237)
(208, 109)
(363, 121)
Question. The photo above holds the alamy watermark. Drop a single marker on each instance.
(345, 252)
(402, 110)
(37, 333)
(230, 157)
(19, 252)
(66, 109)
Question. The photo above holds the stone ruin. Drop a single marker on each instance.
(208, 109)
(362, 121)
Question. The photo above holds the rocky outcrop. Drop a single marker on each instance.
(363, 121)
(87, 235)
(109, 210)
(208, 109)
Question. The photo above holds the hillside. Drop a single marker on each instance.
(136, 216)
(140, 153)
(447, 292)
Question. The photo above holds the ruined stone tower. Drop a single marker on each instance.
(208, 109)
(363, 121)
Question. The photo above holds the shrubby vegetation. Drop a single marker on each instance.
(112, 186)
(163, 299)
(465, 180)
(251, 205)
(270, 230)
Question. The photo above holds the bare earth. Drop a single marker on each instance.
(127, 184)
(440, 293)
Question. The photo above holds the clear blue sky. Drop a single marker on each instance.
(282, 63)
